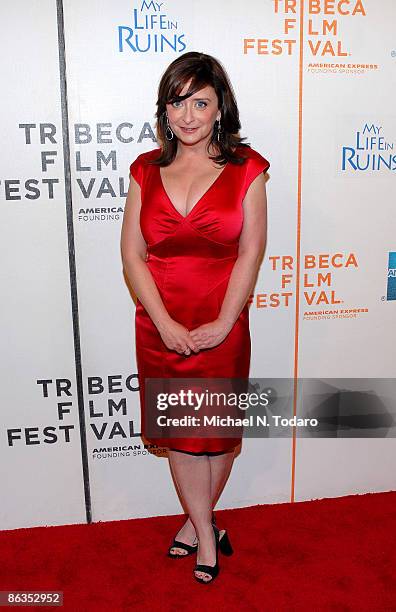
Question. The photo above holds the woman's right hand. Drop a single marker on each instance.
(176, 337)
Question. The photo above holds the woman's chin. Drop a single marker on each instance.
(190, 139)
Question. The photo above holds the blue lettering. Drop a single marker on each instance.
(136, 21)
(127, 40)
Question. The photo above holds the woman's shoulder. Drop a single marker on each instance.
(249, 153)
(147, 156)
(139, 166)
(255, 164)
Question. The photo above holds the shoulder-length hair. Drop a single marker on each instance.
(201, 70)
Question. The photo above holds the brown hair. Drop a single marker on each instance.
(202, 70)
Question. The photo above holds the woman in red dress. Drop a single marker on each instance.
(192, 240)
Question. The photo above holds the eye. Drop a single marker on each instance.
(176, 104)
(201, 104)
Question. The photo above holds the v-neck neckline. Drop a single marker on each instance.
(199, 200)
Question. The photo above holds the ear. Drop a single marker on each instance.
(218, 116)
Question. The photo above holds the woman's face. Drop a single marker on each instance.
(192, 119)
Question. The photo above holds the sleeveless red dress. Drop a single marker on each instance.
(191, 259)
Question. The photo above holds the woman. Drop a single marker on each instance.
(192, 240)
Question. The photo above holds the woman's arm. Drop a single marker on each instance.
(133, 253)
(244, 273)
(251, 250)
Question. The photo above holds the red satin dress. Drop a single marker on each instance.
(191, 259)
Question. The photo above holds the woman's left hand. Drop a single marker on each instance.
(210, 334)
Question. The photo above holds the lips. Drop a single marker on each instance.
(189, 130)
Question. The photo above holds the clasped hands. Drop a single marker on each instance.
(178, 338)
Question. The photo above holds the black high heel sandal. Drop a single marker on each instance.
(224, 545)
(190, 549)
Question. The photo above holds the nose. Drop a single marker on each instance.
(188, 116)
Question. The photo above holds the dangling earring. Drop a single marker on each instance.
(219, 130)
(168, 134)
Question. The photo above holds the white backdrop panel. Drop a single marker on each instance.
(41, 479)
(112, 90)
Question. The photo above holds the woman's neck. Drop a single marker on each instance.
(195, 151)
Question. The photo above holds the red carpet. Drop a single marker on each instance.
(331, 554)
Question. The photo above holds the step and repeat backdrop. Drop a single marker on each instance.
(315, 83)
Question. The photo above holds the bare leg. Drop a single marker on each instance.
(200, 481)
(220, 467)
(193, 477)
